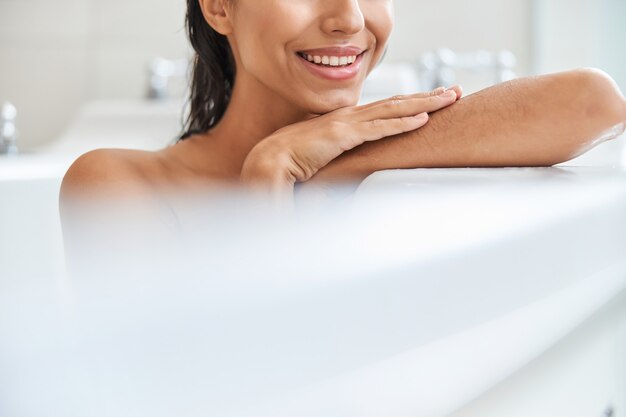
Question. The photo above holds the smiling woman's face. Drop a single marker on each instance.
(315, 54)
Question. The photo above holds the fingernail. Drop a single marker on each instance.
(421, 116)
(448, 94)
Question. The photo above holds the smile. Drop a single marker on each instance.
(331, 61)
(332, 67)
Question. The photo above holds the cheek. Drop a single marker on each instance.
(380, 21)
(261, 39)
(248, 24)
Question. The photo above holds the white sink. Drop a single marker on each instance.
(132, 124)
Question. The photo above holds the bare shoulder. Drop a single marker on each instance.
(114, 196)
(116, 171)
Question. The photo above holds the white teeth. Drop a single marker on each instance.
(333, 61)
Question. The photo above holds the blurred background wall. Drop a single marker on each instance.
(423, 25)
(571, 33)
(57, 55)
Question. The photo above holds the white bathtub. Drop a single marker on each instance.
(439, 291)
(442, 291)
(30, 233)
(437, 287)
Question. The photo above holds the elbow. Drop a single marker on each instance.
(596, 109)
(604, 104)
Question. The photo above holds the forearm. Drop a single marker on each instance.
(539, 121)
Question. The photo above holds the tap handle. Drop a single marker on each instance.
(8, 130)
(8, 113)
(161, 71)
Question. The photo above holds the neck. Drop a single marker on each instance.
(254, 112)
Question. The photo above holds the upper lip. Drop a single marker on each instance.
(334, 51)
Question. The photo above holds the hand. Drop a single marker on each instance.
(296, 152)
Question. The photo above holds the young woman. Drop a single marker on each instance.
(273, 104)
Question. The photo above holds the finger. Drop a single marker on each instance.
(440, 90)
(423, 94)
(458, 90)
(382, 128)
(403, 107)
(372, 130)
(436, 92)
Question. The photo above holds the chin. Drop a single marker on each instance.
(326, 105)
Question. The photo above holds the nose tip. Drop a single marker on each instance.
(344, 16)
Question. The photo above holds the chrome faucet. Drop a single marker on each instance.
(438, 68)
(8, 130)
(160, 72)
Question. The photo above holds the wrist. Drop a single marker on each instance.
(269, 186)
(349, 167)
(261, 169)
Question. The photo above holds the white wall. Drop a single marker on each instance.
(422, 25)
(56, 55)
(574, 33)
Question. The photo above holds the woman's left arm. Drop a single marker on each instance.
(537, 121)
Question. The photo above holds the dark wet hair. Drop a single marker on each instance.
(213, 73)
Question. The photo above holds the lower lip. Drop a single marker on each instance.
(334, 73)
